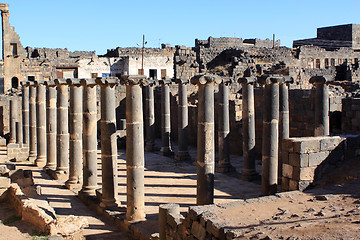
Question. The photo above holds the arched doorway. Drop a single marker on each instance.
(14, 82)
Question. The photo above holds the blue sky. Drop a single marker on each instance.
(100, 25)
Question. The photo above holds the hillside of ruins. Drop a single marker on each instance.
(229, 139)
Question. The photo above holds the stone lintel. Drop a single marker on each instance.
(50, 83)
(39, 82)
(247, 80)
(205, 78)
(88, 81)
(112, 81)
(181, 80)
(271, 79)
(319, 80)
(60, 81)
(165, 81)
(132, 79)
(73, 81)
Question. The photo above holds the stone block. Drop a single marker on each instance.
(198, 231)
(303, 185)
(299, 159)
(316, 159)
(287, 145)
(303, 174)
(330, 143)
(285, 157)
(293, 185)
(285, 184)
(287, 171)
(5, 182)
(306, 145)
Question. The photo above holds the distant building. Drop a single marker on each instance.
(334, 37)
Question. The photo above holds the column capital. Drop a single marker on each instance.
(25, 83)
(88, 82)
(271, 79)
(60, 81)
(227, 80)
(247, 80)
(205, 78)
(149, 82)
(165, 81)
(73, 81)
(181, 80)
(288, 79)
(133, 79)
(319, 80)
(39, 82)
(50, 84)
(112, 81)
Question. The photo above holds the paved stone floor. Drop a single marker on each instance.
(166, 181)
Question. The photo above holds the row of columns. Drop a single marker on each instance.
(81, 169)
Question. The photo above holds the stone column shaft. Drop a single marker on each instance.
(322, 125)
(25, 113)
(51, 125)
(183, 121)
(248, 118)
(62, 154)
(32, 122)
(284, 126)
(108, 142)
(41, 124)
(149, 117)
(270, 146)
(19, 136)
(134, 149)
(76, 134)
(13, 118)
(224, 164)
(165, 118)
(205, 139)
(90, 138)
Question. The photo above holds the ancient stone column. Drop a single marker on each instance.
(41, 123)
(90, 137)
(284, 119)
(62, 154)
(164, 211)
(183, 121)
(134, 149)
(76, 134)
(205, 138)
(224, 164)
(25, 112)
(32, 122)
(322, 125)
(108, 142)
(51, 125)
(270, 144)
(13, 118)
(248, 118)
(19, 136)
(149, 115)
(165, 149)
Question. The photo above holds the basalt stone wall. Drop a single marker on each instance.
(350, 116)
(309, 161)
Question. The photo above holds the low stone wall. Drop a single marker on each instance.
(308, 160)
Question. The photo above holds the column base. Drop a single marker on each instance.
(142, 219)
(249, 175)
(73, 183)
(182, 156)
(165, 151)
(59, 174)
(89, 190)
(40, 162)
(51, 167)
(225, 168)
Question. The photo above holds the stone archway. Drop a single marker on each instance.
(14, 82)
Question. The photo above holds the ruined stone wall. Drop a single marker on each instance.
(350, 115)
(185, 64)
(312, 160)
